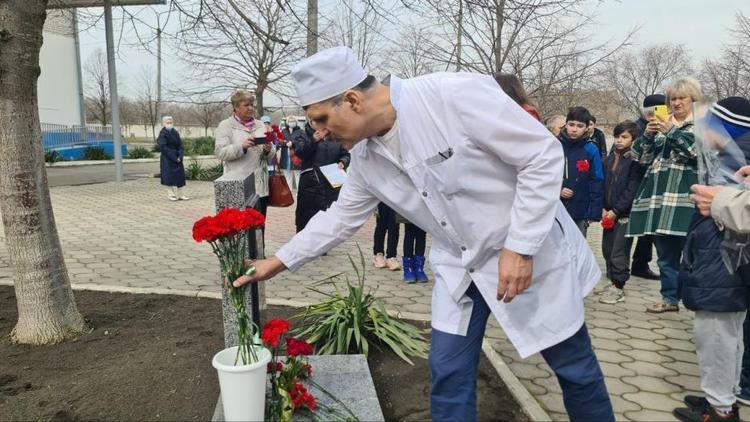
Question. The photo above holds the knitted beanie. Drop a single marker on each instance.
(734, 113)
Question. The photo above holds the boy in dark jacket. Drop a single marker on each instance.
(582, 179)
(622, 175)
(718, 296)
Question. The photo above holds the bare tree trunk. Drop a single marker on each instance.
(460, 33)
(260, 88)
(312, 27)
(499, 21)
(47, 311)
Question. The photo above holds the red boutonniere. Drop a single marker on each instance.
(583, 165)
(608, 223)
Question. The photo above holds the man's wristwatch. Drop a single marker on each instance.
(526, 257)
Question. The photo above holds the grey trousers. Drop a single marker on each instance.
(718, 343)
(616, 250)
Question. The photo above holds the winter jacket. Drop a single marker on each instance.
(706, 283)
(583, 175)
(317, 154)
(622, 176)
(600, 140)
(662, 204)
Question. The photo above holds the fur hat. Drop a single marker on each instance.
(734, 113)
(654, 99)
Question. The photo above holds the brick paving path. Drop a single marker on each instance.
(129, 235)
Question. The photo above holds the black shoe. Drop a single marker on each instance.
(708, 414)
(696, 402)
(645, 273)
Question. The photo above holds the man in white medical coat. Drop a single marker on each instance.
(458, 158)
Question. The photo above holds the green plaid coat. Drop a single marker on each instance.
(662, 204)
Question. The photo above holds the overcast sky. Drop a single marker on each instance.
(702, 25)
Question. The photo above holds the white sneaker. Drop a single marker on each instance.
(612, 295)
(393, 264)
(173, 197)
(184, 198)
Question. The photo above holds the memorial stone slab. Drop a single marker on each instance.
(347, 378)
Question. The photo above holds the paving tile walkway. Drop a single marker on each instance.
(129, 236)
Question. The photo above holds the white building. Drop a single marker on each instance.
(58, 92)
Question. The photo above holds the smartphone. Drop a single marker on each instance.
(260, 140)
(661, 112)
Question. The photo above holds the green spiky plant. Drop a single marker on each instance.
(352, 319)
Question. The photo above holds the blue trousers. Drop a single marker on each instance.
(669, 254)
(454, 359)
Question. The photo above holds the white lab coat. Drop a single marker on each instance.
(499, 188)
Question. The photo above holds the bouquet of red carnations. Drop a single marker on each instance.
(288, 393)
(225, 232)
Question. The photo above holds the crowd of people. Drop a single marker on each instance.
(641, 189)
(638, 190)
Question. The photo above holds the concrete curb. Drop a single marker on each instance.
(109, 162)
(528, 403)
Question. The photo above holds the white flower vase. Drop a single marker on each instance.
(243, 387)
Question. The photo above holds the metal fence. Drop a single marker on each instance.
(61, 136)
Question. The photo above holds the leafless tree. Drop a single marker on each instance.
(208, 114)
(730, 75)
(409, 58)
(634, 75)
(129, 113)
(97, 87)
(47, 311)
(357, 25)
(147, 100)
(545, 43)
(240, 44)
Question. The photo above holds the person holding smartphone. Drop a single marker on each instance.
(241, 144)
(662, 205)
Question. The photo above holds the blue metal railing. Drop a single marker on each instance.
(61, 136)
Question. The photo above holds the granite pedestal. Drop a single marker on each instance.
(346, 377)
(237, 190)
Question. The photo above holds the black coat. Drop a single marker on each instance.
(600, 140)
(286, 159)
(621, 184)
(314, 193)
(705, 282)
(172, 171)
(317, 154)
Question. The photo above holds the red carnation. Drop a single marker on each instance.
(608, 223)
(296, 347)
(582, 166)
(273, 330)
(300, 397)
(279, 367)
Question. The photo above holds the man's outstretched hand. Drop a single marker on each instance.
(264, 270)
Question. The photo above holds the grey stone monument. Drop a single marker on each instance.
(236, 189)
(347, 378)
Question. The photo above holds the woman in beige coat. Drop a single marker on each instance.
(236, 145)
